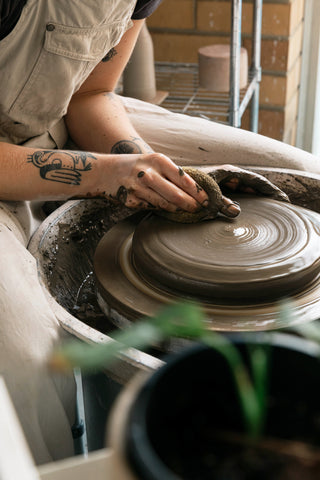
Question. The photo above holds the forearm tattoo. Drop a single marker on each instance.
(130, 146)
(109, 55)
(126, 146)
(64, 167)
(110, 95)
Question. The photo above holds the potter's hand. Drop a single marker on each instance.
(236, 179)
(153, 181)
(216, 201)
(244, 181)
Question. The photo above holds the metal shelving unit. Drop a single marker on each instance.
(185, 95)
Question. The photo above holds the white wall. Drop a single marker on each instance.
(308, 135)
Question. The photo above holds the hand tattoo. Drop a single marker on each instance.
(63, 167)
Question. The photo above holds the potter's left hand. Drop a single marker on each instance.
(244, 181)
(234, 178)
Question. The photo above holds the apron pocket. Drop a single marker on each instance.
(68, 56)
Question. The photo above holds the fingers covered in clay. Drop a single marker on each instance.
(230, 208)
(217, 203)
(154, 181)
(244, 181)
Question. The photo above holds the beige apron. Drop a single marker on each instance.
(46, 58)
(43, 61)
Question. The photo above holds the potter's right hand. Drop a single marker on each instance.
(153, 181)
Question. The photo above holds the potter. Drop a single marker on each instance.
(58, 78)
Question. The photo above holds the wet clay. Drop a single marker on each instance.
(65, 245)
(237, 268)
(270, 250)
(67, 257)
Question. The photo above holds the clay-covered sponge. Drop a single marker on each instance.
(216, 204)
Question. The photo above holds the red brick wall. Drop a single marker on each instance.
(180, 27)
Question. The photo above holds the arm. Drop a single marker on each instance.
(98, 123)
(131, 173)
(96, 118)
(34, 174)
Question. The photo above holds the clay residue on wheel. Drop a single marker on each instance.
(68, 262)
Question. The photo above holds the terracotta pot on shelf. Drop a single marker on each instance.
(214, 67)
(184, 421)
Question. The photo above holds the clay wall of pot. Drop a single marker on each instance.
(179, 27)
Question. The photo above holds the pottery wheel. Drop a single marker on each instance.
(238, 269)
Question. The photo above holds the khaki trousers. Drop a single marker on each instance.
(194, 141)
(45, 403)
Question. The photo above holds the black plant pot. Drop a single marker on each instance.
(172, 425)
